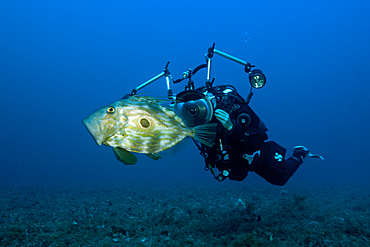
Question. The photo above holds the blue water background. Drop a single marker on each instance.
(62, 60)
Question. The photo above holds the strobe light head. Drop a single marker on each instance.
(257, 79)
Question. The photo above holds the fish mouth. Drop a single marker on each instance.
(94, 130)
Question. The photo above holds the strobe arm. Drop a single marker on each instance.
(247, 65)
(212, 51)
(165, 73)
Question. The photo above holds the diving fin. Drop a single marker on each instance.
(206, 134)
(301, 152)
(125, 156)
(315, 156)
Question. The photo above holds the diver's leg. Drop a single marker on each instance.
(273, 167)
(278, 173)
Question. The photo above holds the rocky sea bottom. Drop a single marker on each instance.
(239, 215)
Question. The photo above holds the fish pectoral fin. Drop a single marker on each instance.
(125, 156)
(154, 156)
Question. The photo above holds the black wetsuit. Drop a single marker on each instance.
(244, 148)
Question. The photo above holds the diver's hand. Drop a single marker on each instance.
(224, 118)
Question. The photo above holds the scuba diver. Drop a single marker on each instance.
(242, 145)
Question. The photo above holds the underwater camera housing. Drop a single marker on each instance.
(195, 107)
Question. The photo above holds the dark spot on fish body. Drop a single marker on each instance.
(111, 110)
(144, 123)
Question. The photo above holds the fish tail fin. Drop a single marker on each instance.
(206, 134)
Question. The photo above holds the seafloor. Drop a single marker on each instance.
(184, 216)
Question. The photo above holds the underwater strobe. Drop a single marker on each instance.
(257, 79)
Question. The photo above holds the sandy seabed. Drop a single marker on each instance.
(184, 216)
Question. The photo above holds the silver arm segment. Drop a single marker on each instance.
(235, 59)
(149, 81)
(165, 73)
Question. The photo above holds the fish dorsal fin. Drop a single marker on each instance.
(125, 156)
(149, 99)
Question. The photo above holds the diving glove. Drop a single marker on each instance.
(224, 118)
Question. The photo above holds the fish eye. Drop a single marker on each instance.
(111, 109)
(144, 123)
